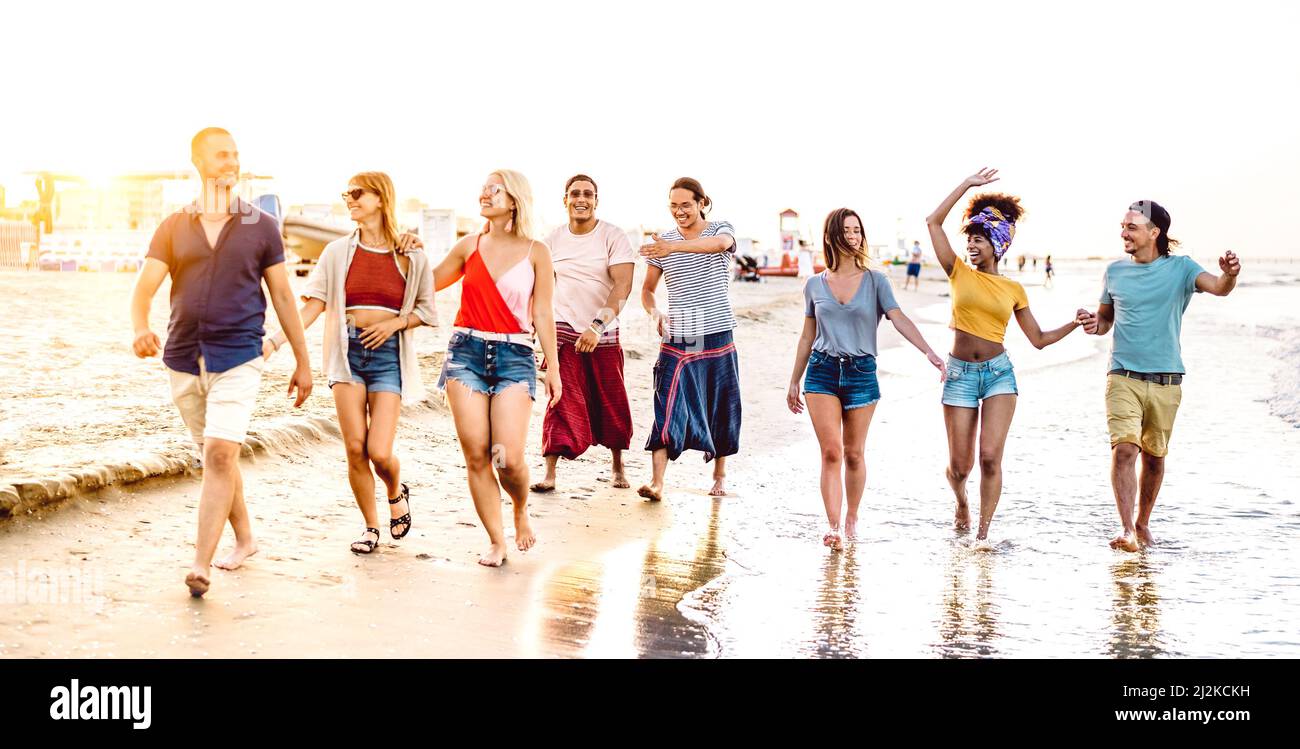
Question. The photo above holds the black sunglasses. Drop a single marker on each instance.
(354, 193)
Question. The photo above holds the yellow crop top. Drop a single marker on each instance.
(982, 304)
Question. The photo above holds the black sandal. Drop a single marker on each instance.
(370, 545)
(403, 520)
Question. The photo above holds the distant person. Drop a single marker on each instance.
(373, 298)
(980, 392)
(697, 376)
(1020, 264)
(219, 251)
(489, 374)
(843, 306)
(1143, 298)
(1047, 265)
(1035, 262)
(594, 263)
(914, 268)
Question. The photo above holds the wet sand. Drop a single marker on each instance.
(742, 576)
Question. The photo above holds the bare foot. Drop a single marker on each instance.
(832, 539)
(236, 557)
(1144, 536)
(982, 544)
(851, 529)
(651, 492)
(495, 556)
(619, 481)
(719, 487)
(544, 486)
(198, 582)
(962, 519)
(1125, 542)
(524, 536)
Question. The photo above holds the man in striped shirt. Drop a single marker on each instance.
(697, 377)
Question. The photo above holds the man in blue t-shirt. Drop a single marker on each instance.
(1143, 298)
(218, 252)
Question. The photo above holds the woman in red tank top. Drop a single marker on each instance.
(489, 373)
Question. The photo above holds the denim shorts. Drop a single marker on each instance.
(380, 369)
(852, 379)
(969, 383)
(488, 366)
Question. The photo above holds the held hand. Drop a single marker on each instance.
(268, 348)
(1230, 264)
(553, 387)
(374, 336)
(939, 365)
(587, 341)
(146, 344)
(793, 400)
(301, 381)
(408, 242)
(982, 177)
(1086, 319)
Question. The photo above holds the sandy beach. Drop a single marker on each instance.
(100, 574)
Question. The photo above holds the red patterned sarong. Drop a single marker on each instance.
(593, 407)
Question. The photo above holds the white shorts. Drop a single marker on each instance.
(218, 405)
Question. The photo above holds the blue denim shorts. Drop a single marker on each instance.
(488, 366)
(380, 369)
(852, 379)
(969, 383)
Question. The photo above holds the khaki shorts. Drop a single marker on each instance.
(218, 405)
(1141, 413)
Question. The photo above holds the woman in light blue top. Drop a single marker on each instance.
(843, 306)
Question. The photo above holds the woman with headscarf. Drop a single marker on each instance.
(979, 394)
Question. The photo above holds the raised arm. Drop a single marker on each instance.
(700, 245)
(151, 276)
(1037, 335)
(934, 222)
(1224, 284)
(906, 328)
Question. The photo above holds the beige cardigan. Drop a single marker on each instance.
(326, 284)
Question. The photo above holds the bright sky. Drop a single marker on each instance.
(883, 107)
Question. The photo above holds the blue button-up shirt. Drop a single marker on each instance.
(218, 308)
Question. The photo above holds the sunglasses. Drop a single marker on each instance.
(355, 193)
(492, 190)
(575, 194)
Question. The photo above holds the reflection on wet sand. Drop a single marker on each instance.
(1135, 615)
(835, 614)
(969, 626)
(625, 604)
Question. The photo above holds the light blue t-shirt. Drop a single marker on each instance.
(1149, 300)
(848, 329)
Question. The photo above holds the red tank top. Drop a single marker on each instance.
(374, 281)
(481, 305)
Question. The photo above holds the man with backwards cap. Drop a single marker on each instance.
(1143, 298)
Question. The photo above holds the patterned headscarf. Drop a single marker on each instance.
(1000, 230)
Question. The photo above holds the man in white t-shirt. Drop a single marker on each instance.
(594, 262)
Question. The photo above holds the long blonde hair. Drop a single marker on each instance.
(522, 222)
(380, 184)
